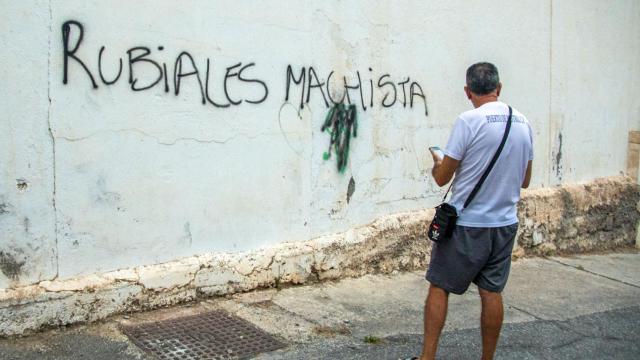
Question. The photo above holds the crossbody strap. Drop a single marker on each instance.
(493, 161)
(486, 172)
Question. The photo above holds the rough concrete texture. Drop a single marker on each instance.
(538, 289)
(594, 216)
(388, 244)
(98, 342)
(552, 311)
(622, 267)
(598, 215)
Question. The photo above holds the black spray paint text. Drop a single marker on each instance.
(146, 72)
(308, 80)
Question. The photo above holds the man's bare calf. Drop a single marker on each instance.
(490, 321)
(435, 314)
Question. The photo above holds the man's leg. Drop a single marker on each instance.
(435, 314)
(494, 276)
(490, 321)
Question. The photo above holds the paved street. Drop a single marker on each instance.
(583, 307)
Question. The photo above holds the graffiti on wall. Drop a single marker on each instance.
(341, 122)
(170, 78)
(145, 71)
(411, 90)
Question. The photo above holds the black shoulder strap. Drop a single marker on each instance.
(493, 161)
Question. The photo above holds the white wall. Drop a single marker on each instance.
(147, 176)
(594, 100)
(27, 217)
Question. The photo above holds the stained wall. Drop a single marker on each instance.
(107, 167)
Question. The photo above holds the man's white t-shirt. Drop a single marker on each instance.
(474, 140)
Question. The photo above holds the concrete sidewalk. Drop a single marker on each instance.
(562, 308)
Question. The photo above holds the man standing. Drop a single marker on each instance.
(479, 249)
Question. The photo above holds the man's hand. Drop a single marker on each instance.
(437, 160)
(443, 169)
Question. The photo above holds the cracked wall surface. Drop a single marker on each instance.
(27, 215)
(134, 167)
(96, 180)
(571, 219)
(586, 136)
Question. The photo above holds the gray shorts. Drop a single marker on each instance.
(471, 254)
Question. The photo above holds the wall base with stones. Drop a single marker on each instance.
(599, 215)
(578, 218)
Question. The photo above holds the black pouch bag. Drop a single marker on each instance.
(444, 221)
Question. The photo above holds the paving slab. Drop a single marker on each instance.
(549, 290)
(621, 267)
(270, 318)
(540, 339)
(381, 305)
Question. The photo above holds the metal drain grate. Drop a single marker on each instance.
(211, 335)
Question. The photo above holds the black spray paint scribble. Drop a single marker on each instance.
(351, 188)
(341, 123)
(368, 90)
(557, 166)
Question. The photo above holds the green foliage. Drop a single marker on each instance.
(370, 339)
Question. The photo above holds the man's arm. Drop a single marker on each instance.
(527, 175)
(443, 169)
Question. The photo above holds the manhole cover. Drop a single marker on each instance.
(211, 335)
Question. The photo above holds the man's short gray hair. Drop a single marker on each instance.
(482, 78)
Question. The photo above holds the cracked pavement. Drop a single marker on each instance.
(562, 308)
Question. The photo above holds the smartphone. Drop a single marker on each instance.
(436, 150)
